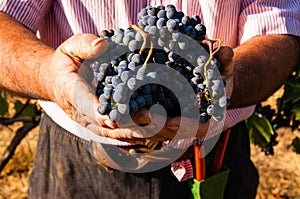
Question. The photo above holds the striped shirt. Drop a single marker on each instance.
(233, 21)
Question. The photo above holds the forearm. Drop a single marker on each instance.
(261, 65)
(22, 58)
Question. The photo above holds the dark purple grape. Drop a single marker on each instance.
(134, 107)
(120, 96)
(104, 108)
(114, 115)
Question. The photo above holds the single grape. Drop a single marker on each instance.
(143, 12)
(141, 73)
(108, 90)
(115, 80)
(127, 39)
(161, 22)
(152, 20)
(141, 101)
(203, 117)
(137, 58)
(186, 20)
(133, 45)
(104, 108)
(210, 110)
(183, 43)
(121, 86)
(176, 36)
(173, 57)
(118, 38)
(114, 115)
(100, 76)
(108, 79)
(190, 31)
(223, 102)
(210, 74)
(159, 58)
(151, 11)
(120, 96)
(161, 42)
(133, 106)
(161, 13)
(132, 83)
(102, 98)
(195, 20)
(125, 75)
(132, 66)
(201, 60)
(171, 13)
(163, 31)
(145, 20)
(138, 37)
(123, 108)
(153, 30)
(172, 25)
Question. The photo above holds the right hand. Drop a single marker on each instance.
(71, 91)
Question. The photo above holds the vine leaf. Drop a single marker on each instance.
(296, 144)
(260, 130)
(296, 109)
(28, 111)
(3, 104)
(291, 91)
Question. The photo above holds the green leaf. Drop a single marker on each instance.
(296, 144)
(260, 130)
(3, 104)
(296, 109)
(291, 91)
(28, 111)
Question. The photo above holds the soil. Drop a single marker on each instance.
(279, 174)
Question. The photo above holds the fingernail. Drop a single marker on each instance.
(97, 41)
(109, 124)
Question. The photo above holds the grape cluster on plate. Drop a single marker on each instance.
(134, 72)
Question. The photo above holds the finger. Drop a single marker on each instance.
(224, 55)
(187, 127)
(119, 133)
(174, 123)
(141, 117)
(164, 134)
(84, 46)
(83, 99)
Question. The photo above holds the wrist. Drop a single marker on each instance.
(45, 82)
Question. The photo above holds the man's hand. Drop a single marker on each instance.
(64, 84)
(32, 69)
(69, 84)
(224, 55)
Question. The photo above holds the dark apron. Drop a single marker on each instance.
(64, 169)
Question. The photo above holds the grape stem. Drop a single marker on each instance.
(145, 37)
(210, 43)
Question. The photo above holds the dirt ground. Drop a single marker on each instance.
(279, 174)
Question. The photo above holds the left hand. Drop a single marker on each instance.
(224, 55)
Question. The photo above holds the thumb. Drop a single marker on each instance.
(84, 46)
(225, 55)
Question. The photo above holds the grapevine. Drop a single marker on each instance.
(286, 114)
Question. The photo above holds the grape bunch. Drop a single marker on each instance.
(136, 70)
